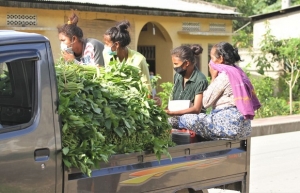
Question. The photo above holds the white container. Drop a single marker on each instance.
(177, 105)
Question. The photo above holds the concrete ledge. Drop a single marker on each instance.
(275, 125)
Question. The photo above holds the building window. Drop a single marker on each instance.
(217, 27)
(21, 20)
(191, 26)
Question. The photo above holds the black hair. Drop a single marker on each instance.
(187, 52)
(120, 34)
(230, 55)
(71, 29)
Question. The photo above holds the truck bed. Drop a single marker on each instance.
(195, 166)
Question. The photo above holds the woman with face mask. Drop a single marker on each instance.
(116, 40)
(189, 82)
(77, 49)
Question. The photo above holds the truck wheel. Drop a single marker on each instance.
(201, 191)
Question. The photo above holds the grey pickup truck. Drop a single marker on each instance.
(31, 142)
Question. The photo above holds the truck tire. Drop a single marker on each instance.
(201, 191)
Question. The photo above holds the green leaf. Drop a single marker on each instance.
(97, 110)
(119, 131)
(126, 123)
(67, 163)
(65, 150)
(108, 123)
(65, 127)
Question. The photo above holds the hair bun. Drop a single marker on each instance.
(73, 19)
(236, 54)
(123, 26)
(197, 49)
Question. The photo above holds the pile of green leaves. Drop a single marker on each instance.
(106, 111)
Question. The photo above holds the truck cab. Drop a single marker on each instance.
(30, 131)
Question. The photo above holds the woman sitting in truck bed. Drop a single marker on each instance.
(189, 82)
(231, 96)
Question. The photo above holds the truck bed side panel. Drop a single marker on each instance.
(192, 166)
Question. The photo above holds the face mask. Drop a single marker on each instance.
(151, 76)
(180, 70)
(65, 48)
(108, 50)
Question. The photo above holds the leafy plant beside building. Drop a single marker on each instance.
(285, 54)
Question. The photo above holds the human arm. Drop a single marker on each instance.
(215, 90)
(69, 57)
(195, 109)
(197, 99)
(145, 75)
(99, 59)
(214, 73)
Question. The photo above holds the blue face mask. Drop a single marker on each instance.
(108, 50)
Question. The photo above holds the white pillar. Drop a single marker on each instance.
(285, 4)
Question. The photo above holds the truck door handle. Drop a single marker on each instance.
(41, 155)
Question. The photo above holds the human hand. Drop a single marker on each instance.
(157, 100)
(68, 56)
(214, 73)
(168, 112)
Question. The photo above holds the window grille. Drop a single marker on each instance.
(147, 51)
(191, 26)
(21, 20)
(217, 27)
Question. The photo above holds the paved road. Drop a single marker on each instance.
(275, 164)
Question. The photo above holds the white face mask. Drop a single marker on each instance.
(65, 48)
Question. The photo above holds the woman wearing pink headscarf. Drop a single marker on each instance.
(231, 96)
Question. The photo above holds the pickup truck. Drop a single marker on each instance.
(31, 142)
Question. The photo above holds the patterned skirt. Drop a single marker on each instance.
(227, 123)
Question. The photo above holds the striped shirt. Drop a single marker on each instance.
(194, 86)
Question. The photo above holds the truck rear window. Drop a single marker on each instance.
(5, 83)
(17, 88)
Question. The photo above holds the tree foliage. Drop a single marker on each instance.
(244, 37)
(285, 53)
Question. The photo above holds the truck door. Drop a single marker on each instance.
(28, 158)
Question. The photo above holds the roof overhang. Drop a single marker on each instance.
(116, 9)
(274, 13)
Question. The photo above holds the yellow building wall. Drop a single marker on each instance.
(94, 24)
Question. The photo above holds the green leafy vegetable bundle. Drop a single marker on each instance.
(106, 111)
